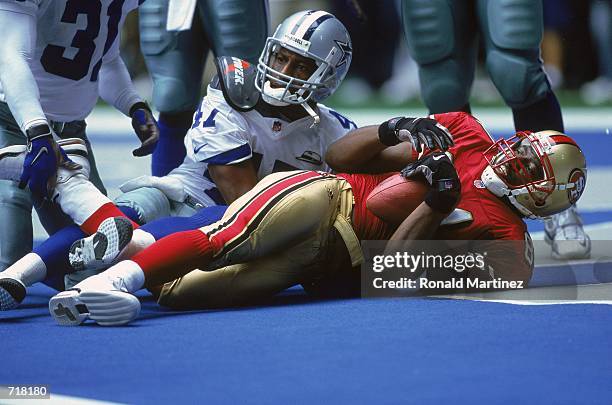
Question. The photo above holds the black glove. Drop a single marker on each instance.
(441, 175)
(42, 159)
(419, 131)
(146, 129)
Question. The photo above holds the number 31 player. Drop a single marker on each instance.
(56, 58)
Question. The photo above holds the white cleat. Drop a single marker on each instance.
(106, 308)
(100, 250)
(566, 235)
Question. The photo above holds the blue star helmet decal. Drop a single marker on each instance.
(346, 51)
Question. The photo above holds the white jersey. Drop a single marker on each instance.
(221, 135)
(73, 37)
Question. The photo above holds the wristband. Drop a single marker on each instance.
(37, 132)
(386, 132)
(137, 106)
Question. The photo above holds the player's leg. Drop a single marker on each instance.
(229, 32)
(143, 204)
(441, 36)
(79, 199)
(176, 62)
(47, 263)
(512, 33)
(280, 212)
(81, 253)
(53, 217)
(15, 203)
(322, 265)
(242, 284)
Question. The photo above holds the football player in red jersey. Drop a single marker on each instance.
(285, 230)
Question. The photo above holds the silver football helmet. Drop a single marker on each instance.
(317, 35)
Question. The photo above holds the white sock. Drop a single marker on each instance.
(140, 241)
(29, 269)
(131, 273)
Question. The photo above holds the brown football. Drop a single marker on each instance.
(396, 197)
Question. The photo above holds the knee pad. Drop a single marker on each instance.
(150, 203)
(154, 38)
(518, 76)
(444, 87)
(174, 59)
(16, 223)
(12, 157)
(11, 162)
(513, 24)
(428, 27)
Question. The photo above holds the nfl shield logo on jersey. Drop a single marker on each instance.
(277, 126)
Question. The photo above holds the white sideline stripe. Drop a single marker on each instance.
(106, 120)
(56, 399)
(597, 294)
(526, 302)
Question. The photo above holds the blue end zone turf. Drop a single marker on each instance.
(301, 352)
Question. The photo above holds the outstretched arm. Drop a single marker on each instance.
(389, 146)
(361, 151)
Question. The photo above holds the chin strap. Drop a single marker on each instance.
(312, 113)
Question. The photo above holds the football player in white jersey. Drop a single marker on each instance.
(56, 58)
(175, 38)
(256, 120)
(253, 121)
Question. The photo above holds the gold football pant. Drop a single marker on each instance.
(273, 237)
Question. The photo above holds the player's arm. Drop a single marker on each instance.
(445, 190)
(18, 33)
(116, 88)
(233, 180)
(360, 151)
(18, 36)
(389, 146)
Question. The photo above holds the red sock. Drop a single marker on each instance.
(108, 210)
(174, 256)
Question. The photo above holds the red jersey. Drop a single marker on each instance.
(489, 217)
(367, 226)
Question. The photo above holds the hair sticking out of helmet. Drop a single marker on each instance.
(318, 36)
(540, 173)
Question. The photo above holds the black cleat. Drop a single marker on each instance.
(12, 292)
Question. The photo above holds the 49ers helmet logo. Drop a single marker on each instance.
(579, 179)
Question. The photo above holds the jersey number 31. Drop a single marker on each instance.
(76, 68)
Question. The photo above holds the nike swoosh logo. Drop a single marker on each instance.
(438, 157)
(39, 154)
(199, 148)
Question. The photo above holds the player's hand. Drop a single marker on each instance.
(421, 132)
(145, 127)
(440, 173)
(42, 160)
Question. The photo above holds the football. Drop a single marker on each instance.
(396, 197)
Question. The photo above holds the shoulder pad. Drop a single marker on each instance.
(236, 78)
